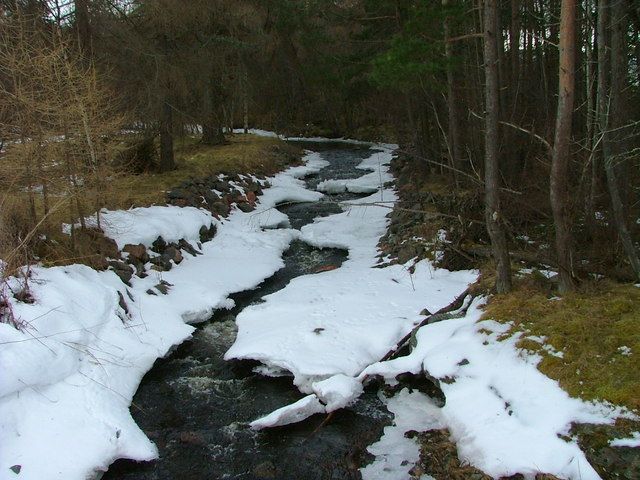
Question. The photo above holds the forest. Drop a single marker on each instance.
(511, 132)
(543, 118)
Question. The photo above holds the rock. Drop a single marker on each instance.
(192, 438)
(151, 292)
(163, 287)
(136, 252)
(245, 207)
(158, 245)
(172, 253)
(161, 263)
(251, 198)
(122, 270)
(186, 246)
(207, 234)
(122, 303)
(265, 470)
(221, 208)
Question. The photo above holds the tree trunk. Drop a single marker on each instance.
(560, 157)
(167, 161)
(608, 118)
(493, 214)
(452, 101)
(83, 27)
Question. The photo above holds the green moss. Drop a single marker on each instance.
(590, 327)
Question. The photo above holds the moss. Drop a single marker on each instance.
(590, 327)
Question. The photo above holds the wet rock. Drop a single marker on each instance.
(207, 234)
(221, 208)
(163, 287)
(265, 470)
(123, 304)
(161, 263)
(136, 252)
(192, 438)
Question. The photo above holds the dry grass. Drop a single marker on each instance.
(242, 154)
(591, 327)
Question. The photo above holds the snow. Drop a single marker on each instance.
(632, 442)
(337, 391)
(328, 330)
(361, 311)
(96, 354)
(396, 454)
(303, 408)
(145, 224)
(504, 414)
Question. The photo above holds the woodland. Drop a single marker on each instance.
(532, 106)
(138, 134)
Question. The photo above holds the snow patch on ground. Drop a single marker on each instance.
(395, 454)
(633, 441)
(340, 321)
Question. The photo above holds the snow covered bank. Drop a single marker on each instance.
(69, 376)
(505, 416)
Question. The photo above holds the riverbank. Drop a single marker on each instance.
(586, 341)
(333, 332)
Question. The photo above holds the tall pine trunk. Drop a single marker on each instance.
(559, 185)
(610, 114)
(493, 214)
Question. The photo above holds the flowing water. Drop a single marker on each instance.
(196, 407)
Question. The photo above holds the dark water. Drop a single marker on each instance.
(196, 407)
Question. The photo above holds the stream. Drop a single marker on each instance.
(196, 407)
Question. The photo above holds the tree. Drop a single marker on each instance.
(611, 114)
(559, 187)
(493, 214)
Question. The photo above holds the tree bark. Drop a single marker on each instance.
(452, 101)
(609, 116)
(493, 214)
(167, 161)
(83, 27)
(559, 186)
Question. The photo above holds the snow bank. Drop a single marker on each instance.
(504, 414)
(68, 378)
(145, 224)
(338, 391)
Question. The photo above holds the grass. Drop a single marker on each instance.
(242, 154)
(591, 327)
